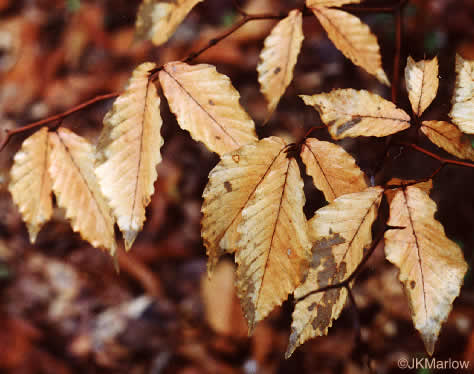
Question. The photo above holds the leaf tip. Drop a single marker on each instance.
(129, 237)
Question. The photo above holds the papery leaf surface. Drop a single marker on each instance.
(448, 136)
(158, 19)
(129, 151)
(30, 183)
(278, 57)
(432, 267)
(339, 232)
(354, 39)
(352, 113)
(334, 171)
(71, 167)
(207, 105)
(462, 111)
(422, 83)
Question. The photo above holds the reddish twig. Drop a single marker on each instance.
(56, 117)
(369, 9)
(439, 158)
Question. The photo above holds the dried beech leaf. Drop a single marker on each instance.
(273, 249)
(278, 57)
(447, 136)
(231, 185)
(158, 19)
(422, 83)
(30, 183)
(390, 193)
(329, 3)
(207, 105)
(340, 232)
(334, 171)
(129, 150)
(261, 191)
(71, 166)
(462, 112)
(351, 113)
(354, 39)
(431, 266)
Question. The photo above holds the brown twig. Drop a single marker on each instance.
(439, 158)
(56, 117)
(132, 266)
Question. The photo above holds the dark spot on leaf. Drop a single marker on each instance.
(277, 70)
(312, 306)
(412, 284)
(236, 158)
(228, 186)
(218, 137)
(348, 125)
(211, 102)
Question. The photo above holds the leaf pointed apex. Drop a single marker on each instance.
(129, 237)
(278, 58)
(129, 151)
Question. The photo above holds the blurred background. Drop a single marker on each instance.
(64, 309)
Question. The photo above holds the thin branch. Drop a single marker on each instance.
(350, 278)
(56, 117)
(396, 57)
(238, 8)
(439, 158)
(369, 9)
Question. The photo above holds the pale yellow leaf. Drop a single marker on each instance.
(431, 266)
(354, 39)
(447, 136)
(390, 193)
(351, 113)
(129, 151)
(30, 183)
(334, 171)
(158, 19)
(207, 105)
(278, 57)
(231, 185)
(71, 166)
(462, 112)
(340, 232)
(329, 3)
(422, 82)
(273, 249)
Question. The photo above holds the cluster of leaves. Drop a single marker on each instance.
(253, 203)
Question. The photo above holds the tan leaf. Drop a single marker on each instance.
(222, 308)
(231, 185)
(30, 183)
(334, 171)
(340, 232)
(462, 112)
(207, 105)
(158, 19)
(351, 113)
(278, 57)
(129, 150)
(354, 39)
(390, 193)
(447, 136)
(329, 3)
(273, 249)
(422, 83)
(71, 166)
(431, 266)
